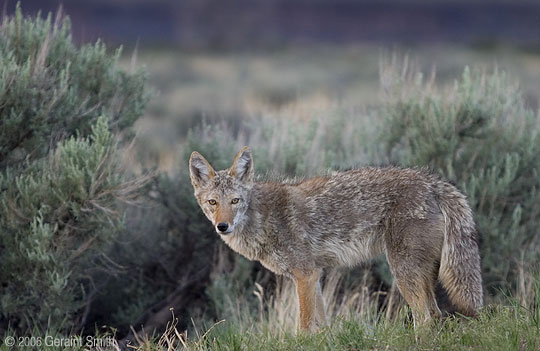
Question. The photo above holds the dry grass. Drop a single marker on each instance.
(357, 325)
(277, 313)
(300, 84)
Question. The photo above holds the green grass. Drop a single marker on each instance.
(498, 327)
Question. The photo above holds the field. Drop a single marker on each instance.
(101, 235)
(326, 102)
(299, 83)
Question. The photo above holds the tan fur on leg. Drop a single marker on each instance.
(306, 285)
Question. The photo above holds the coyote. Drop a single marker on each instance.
(421, 223)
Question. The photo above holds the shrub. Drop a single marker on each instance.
(63, 109)
(479, 134)
(50, 89)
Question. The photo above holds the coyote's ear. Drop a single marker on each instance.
(242, 167)
(200, 170)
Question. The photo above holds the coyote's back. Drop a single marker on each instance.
(421, 223)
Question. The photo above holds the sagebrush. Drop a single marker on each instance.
(64, 109)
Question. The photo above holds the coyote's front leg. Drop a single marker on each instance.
(310, 300)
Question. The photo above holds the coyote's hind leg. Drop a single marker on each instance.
(320, 309)
(413, 255)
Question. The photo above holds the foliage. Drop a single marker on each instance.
(63, 111)
(479, 134)
(50, 89)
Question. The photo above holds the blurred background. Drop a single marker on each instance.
(310, 86)
(217, 60)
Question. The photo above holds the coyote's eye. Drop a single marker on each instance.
(235, 200)
(212, 202)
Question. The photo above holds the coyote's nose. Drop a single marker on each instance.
(222, 227)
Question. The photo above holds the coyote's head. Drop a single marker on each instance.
(223, 195)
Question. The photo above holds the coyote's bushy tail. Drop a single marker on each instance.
(460, 272)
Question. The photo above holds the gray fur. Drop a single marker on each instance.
(422, 223)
